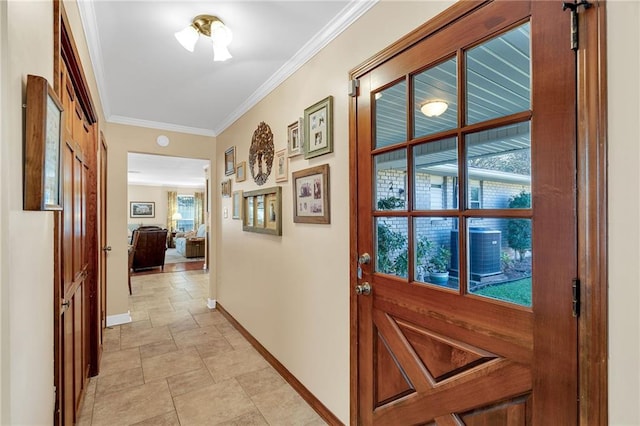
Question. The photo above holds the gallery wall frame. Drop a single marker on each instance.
(142, 209)
(236, 206)
(262, 210)
(226, 188)
(311, 203)
(230, 161)
(241, 171)
(282, 166)
(318, 128)
(295, 138)
(42, 147)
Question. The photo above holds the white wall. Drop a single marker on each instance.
(122, 139)
(624, 211)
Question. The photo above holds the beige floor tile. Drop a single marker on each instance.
(283, 406)
(115, 362)
(214, 347)
(119, 381)
(169, 419)
(182, 296)
(237, 340)
(234, 363)
(160, 318)
(189, 381)
(208, 319)
(188, 323)
(226, 328)
(139, 315)
(254, 418)
(135, 337)
(159, 348)
(214, 404)
(260, 381)
(317, 422)
(133, 405)
(172, 363)
(196, 336)
(136, 325)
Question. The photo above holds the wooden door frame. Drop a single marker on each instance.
(591, 204)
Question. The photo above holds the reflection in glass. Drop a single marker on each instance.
(434, 248)
(499, 168)
(498, 74)
(435, 169)
(391, 246)
(499, 259)
(391, 115)
(249, 211)
(437, 84)
(260, 211)
(391, 180)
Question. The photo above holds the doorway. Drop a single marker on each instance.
(465, 224)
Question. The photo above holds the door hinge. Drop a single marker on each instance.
(573, 7)
(353, 87)
(576, 297)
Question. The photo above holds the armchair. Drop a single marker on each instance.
(150, 247)
(192, 246)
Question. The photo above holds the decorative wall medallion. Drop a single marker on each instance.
(261, 153)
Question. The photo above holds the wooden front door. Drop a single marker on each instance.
(466, 205)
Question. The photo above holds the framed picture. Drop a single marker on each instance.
(142, 209)
(241, 171)
(263, 211)
(43, 133)
(230, 161)
(226, 188)
(294, 138)
(311, 196)
(236, 208)
(318, 128)
(282, 166)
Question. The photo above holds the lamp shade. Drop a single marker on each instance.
(434, 108)
(188, 37)
(176, 216)
(221, 37)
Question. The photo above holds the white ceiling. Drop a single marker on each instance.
(146, 78)
(160, 170)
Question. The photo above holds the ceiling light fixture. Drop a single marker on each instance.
(434, 108)
(212, 27)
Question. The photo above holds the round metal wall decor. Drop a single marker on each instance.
(261, 153)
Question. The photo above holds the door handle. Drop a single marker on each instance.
(106, 248)
(364, 259)
(363, 289)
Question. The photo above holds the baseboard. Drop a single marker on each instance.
(211, 303)
(119, 319)
(314, 402)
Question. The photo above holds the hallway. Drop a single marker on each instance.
(179, 363)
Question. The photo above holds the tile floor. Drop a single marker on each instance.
(180, 363)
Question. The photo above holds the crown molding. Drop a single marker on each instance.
(118, 119)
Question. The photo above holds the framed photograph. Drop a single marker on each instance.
(282, 166)
(241, 171)
(318, 128)
(43, 133)
(230, 161)
(263, 211)
(226, 188)
(236, 208)
(294, 138)
(142, 209)
(311, 195)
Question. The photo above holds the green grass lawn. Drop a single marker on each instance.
(518, 291)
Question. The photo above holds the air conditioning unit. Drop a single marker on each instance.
(485, 245)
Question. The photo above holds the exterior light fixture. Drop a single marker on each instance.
(209, 26)
(434, 108)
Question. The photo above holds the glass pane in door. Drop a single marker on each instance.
(436, 251)
(435, 99)
(499, 259)
(435, 173)
(498, 76)
(391, 246)
(391, 115)
(499, 168)
(390, 181)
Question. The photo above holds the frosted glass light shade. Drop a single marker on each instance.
(220, 53)
(188, 37)
(221, 36)
(434, 108)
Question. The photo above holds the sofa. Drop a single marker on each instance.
(189, 244)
